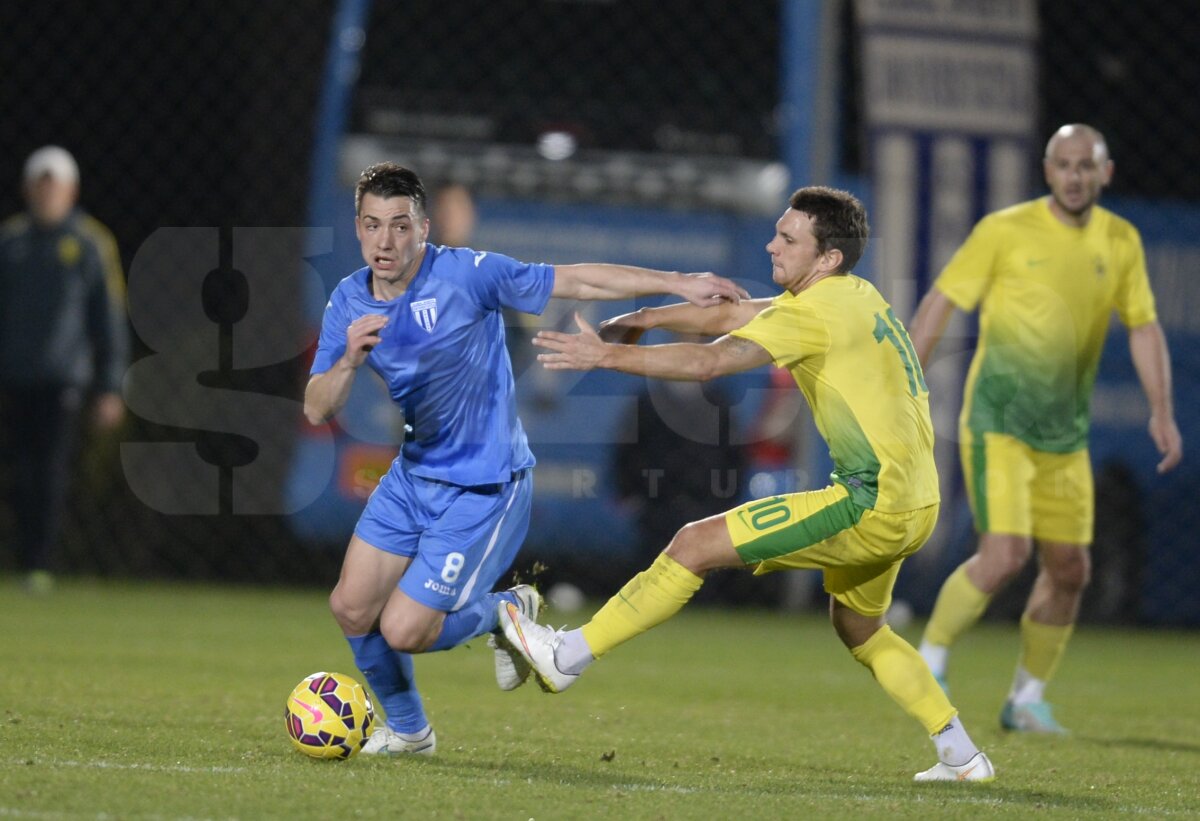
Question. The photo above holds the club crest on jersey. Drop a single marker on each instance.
(425, 312)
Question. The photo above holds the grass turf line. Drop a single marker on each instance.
(158, 701)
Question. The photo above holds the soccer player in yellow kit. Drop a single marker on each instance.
(1046, 275)
(856, 366)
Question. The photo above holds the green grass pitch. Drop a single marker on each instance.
(148, 701)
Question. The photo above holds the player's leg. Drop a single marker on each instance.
(967, 592)
(661, 591)
(1063, 513)
(466, 552)
(905, 677)
(444, 598)
(368, 578)
(43, 442)
(475, 610)
(860, 593)
(380, 552)
(758, 532)
(648, 599)
(367, 582)
(999, 472)
(898, 668)
(409, 626)
(1046, 628)
(447, 592)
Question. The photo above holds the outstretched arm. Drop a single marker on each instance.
(930, 323)
(1152, 360)
(683, 318)
(680, 361)
(604, 281)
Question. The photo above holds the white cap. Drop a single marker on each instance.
(52, 160)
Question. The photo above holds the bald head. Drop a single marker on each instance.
(1077, 168)
(1079, 133)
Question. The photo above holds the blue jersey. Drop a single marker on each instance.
(443, 357)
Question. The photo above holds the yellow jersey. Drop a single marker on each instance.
(856, 366)
(1047, 292)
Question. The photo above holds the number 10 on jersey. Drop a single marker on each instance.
(891, 330)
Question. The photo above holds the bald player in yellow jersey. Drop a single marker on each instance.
(856, 366)
(1046, 276)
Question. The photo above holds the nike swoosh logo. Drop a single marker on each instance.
(316, 714)
(479, 258)
(513, 612)
(963, 775)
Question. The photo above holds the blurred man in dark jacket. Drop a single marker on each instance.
(63, 347)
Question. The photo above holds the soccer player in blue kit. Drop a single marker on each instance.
(449, 516)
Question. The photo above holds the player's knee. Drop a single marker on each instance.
(1071, 571)
(689, 549)
(355, 618)
(403, 638)
(1005, 558)
(407, 635)
(854, 629)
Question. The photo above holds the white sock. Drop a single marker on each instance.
(572, 656)
(954, 746)
(1026, 689)
(936, 656)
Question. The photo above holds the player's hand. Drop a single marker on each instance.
(625, 329)
(707, 290)
(362, 336)
(1168, 440)
(571, 352)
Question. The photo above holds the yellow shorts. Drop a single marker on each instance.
(858, 549)
(1016, 489)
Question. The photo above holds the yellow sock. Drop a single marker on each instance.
(904, 676)
(1043, 646)
(649, 598)
(959, 605)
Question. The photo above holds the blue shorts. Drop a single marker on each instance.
(462, 539)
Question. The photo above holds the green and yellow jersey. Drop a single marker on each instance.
(1047, 292)
(855, 364)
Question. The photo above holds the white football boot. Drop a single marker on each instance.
(386, 741)
(536, 644)
(511, 667)
(979, 768)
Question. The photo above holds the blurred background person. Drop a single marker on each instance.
(1046, 275)
(452, 217)
(63, 349)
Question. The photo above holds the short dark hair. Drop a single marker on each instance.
(838, 221)
(389, 179)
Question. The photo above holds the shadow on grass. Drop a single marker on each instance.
(1000, 795)
(1155, 744)
(602, 776)
(800, 784)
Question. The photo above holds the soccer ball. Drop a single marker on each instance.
(329, 715)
